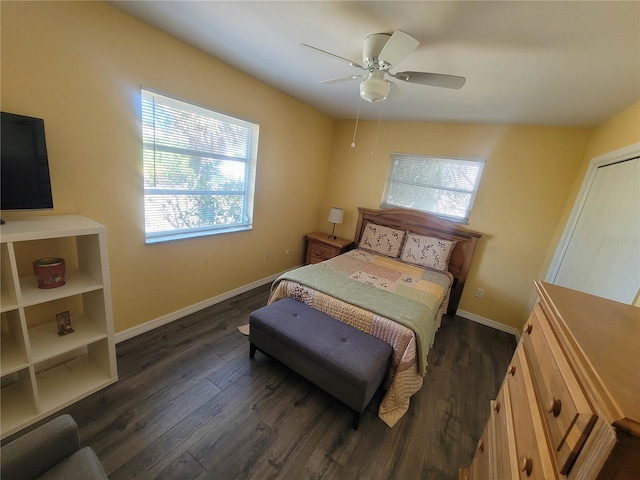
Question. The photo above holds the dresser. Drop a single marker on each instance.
(320, 247)
(569, 406)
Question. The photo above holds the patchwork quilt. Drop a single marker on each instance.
(398, 302)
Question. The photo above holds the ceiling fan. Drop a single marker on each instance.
(381, 53)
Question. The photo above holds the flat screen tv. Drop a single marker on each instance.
(24, 165)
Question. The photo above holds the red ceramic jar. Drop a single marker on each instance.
(49, 272)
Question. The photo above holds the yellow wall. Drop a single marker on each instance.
(521, 196)
(80, 65)
(619, 131)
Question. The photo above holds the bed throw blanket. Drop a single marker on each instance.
(401, 309)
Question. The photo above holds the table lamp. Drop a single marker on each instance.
(335, 216)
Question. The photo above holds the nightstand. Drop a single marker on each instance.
(320, 247)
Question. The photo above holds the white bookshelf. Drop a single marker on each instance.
(41, 371)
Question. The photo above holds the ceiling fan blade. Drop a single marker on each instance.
(350, 62)
(432, 79)
(396, 93)
(342, 79)
(398, 46)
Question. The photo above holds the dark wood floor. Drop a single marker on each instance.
(190, 404)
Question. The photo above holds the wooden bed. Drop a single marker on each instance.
(425, 224)
(398, 301)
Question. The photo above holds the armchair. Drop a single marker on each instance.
(51, 451)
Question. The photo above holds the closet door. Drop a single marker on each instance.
(603, 254)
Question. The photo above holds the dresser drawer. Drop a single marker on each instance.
(503, 437)
(321, 247)
(566, 413)
(320, 252)
(532, 455)
(481, 465)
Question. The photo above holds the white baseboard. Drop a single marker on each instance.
(490, 323)
(158, 322)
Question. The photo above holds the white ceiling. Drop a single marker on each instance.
(541, 62)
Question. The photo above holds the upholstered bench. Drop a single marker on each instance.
(342, 360)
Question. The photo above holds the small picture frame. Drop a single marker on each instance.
(64, 323)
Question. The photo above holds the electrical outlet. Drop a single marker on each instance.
(479, 292)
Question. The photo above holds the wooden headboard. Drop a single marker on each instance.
(425, 224)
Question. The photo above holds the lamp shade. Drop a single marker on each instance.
(336, 215)
(374, 89)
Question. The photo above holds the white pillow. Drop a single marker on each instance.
(382, 240)
(426, 251)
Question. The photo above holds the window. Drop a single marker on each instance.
(199, 170)
(443, 186)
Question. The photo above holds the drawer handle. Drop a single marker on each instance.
(553, 405)
(529, 328)
(512, 370)
(526, 465)
(496, 407)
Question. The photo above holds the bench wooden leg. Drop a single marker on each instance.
(252, 350)
(356, 420)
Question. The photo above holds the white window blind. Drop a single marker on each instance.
(443, 186)
(199, 169)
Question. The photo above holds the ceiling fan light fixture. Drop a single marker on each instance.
(374, 89)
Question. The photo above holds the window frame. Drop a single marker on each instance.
(156, 149)
(396, 158)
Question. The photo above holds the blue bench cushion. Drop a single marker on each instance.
(347, 363)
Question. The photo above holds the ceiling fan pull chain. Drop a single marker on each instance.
(353, 142)
(373, 152)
